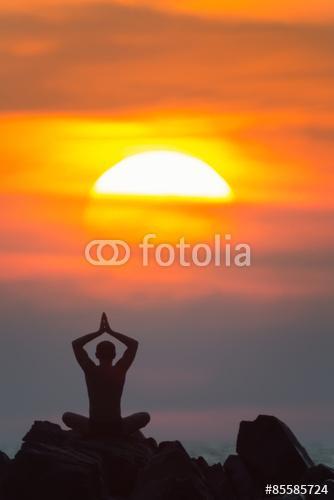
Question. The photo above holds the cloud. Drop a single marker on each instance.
(114, 58)
(286, 10)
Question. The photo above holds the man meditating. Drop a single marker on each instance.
(105, 383)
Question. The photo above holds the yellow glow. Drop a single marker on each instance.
(163, 173)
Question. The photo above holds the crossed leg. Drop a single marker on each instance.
(134, 423)
(129, 425)
(76, 422)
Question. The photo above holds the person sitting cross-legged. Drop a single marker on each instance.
(105, 383)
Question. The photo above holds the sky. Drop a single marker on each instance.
(247, 87)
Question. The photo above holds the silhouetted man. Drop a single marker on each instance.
(105, 384)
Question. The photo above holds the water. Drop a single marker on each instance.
(10, 450)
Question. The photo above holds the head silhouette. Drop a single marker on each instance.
(105, 351)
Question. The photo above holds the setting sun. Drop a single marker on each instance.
(163, 173)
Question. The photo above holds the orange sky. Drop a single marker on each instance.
(287, 10)
(86, 85)
(246, 86)
(251, 100)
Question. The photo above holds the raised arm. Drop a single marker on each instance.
(132, 346)
(78, 345)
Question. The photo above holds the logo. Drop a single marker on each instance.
(107, 252)
(221, 252)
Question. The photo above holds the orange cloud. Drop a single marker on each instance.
(287, 10)
(95, 57)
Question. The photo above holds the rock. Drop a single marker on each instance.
(171, 475)
(4, 463)
(293, 497)
(48, 433)
(188, 488)
(318, 474)
(172, 460)
(152, 443)
(328, 493)
(271, 451)
(170, 446)
(201, 463)
(173, 489)
(216, 479)
(242, 482)
(122, 459)
(42, 472)
(99, 467)
(4, 469)
(330, 490)
(54, 464)
(219, 483)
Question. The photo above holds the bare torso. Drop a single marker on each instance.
(105, 387)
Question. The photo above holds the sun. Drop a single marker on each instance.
(163, 174)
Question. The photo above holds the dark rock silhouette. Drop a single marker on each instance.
(171, 474)
(4, 464)
(54, 464)
(240, 477)
(280, 458)
(318, 474)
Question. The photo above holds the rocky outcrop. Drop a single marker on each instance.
(271, 451)
(54, 464)
(4, 464)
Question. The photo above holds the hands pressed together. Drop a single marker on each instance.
(104, 325)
